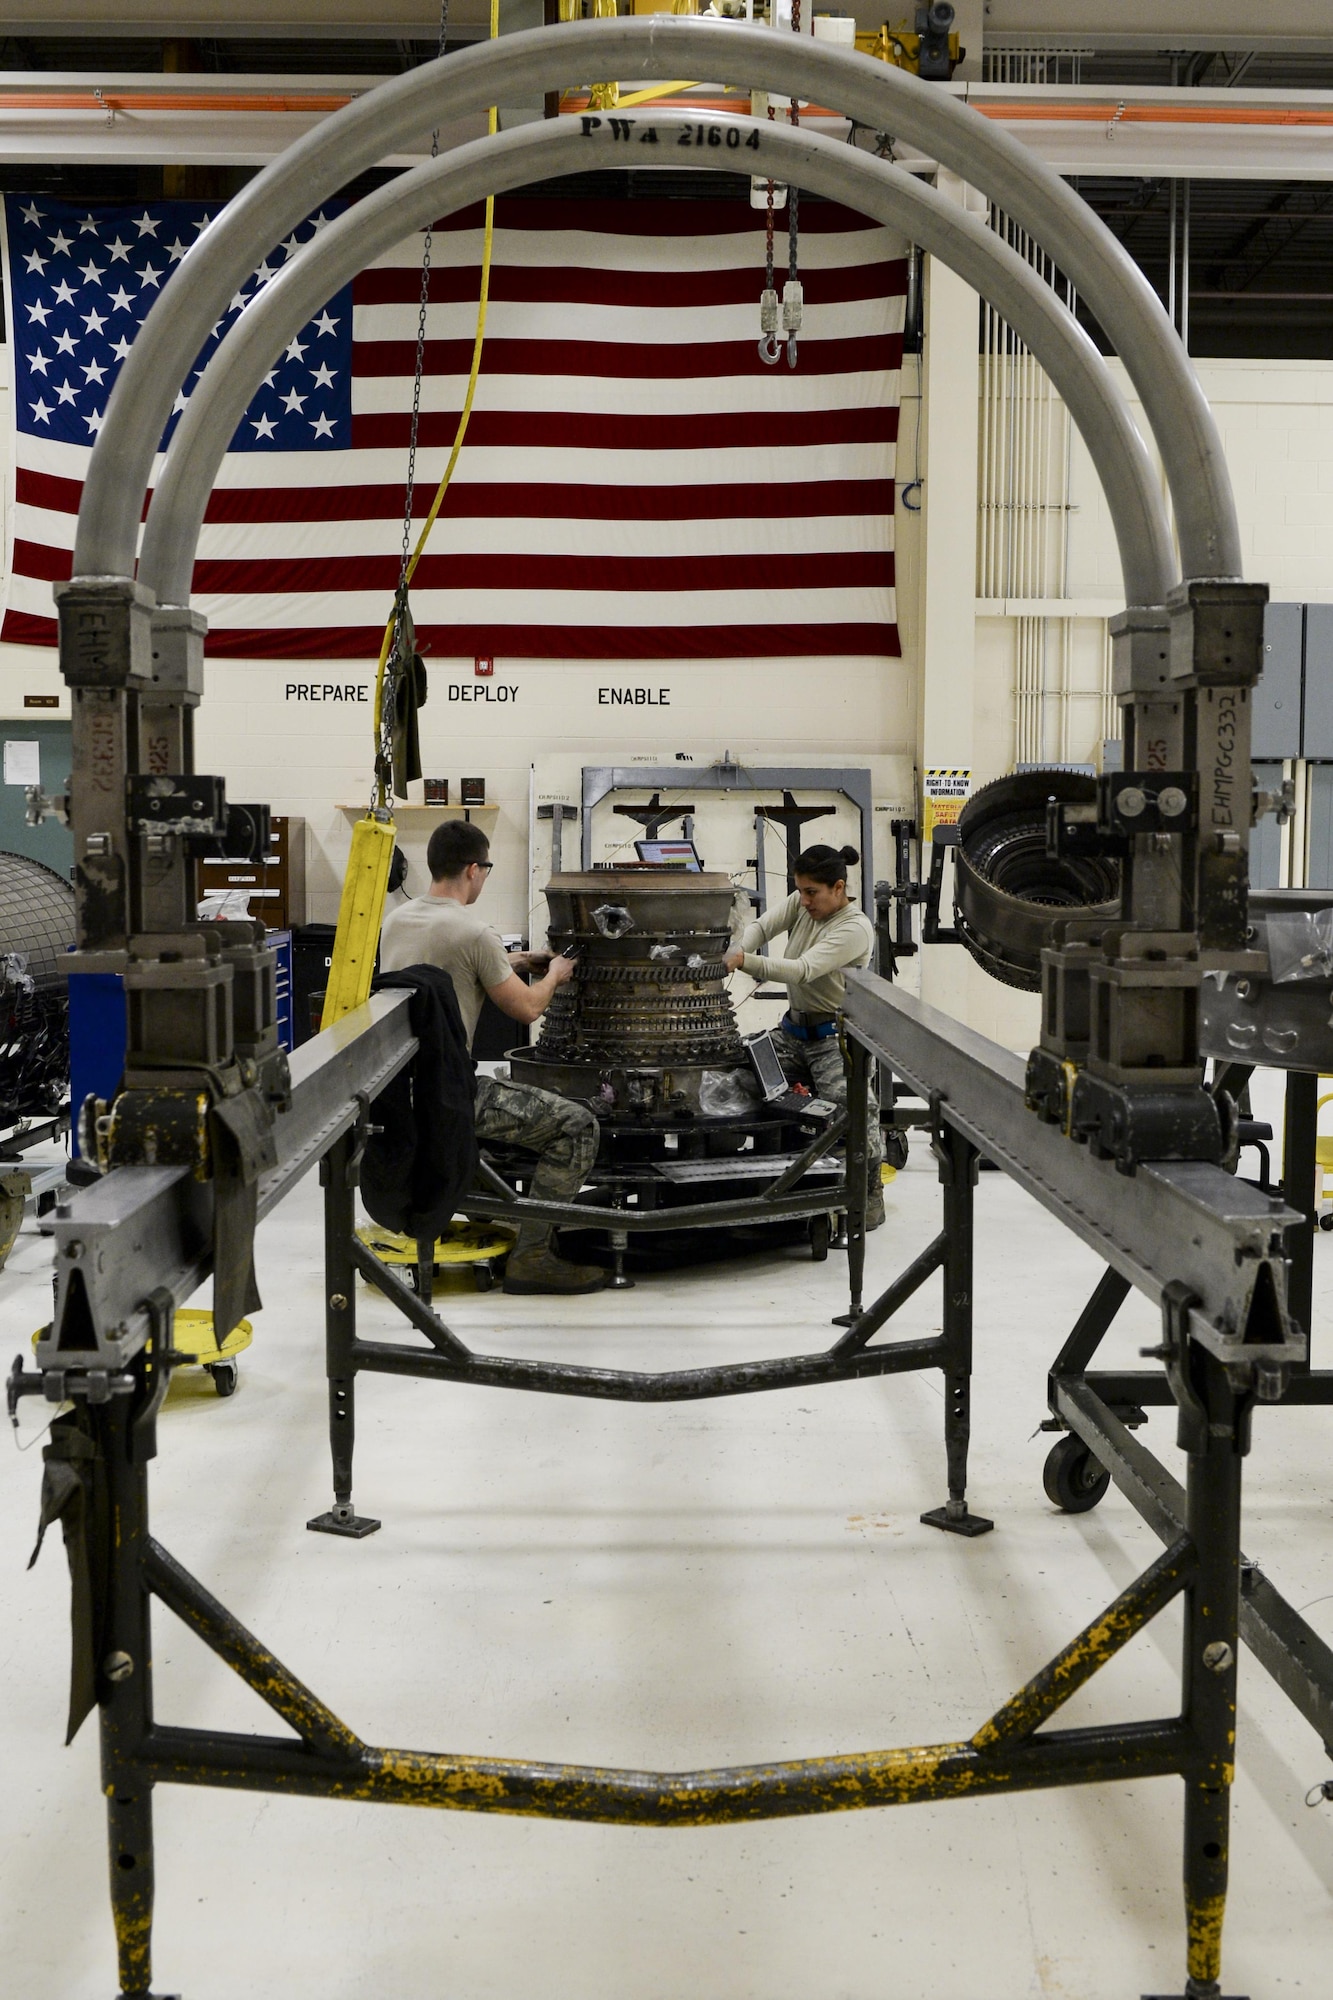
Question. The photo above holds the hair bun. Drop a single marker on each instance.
(849, 855)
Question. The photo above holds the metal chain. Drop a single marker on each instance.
(388, 703)
(793, 224)
(793, 192)
(769, 278)
(420, 366)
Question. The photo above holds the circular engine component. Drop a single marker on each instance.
(1007, 889)
(648, 1013)
(36, 919)
(36, 933)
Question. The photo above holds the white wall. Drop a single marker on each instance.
(1276, 419)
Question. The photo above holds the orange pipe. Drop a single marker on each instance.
(1152, 114)
(165, 101)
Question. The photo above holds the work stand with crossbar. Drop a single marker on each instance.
(1097, 1411)
(99, 1456)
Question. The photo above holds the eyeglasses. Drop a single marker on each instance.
(483, 864)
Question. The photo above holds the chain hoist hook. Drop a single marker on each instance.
(770, 349)
(791, 351)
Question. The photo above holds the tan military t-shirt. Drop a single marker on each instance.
(435, 930)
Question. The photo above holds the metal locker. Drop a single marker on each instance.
(1276, 727)
(1266, 834)
(1318, 732)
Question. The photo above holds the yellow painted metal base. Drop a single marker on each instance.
(462, 1243)
(193, 1334)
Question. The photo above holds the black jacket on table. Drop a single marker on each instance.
(415, 1170)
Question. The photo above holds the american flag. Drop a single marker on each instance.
(636, 483)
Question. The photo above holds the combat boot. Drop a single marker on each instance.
(540, 1270)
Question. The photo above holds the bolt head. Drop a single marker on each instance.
(117, 1666)
(1131, 802)
(338, 1300)
(1218, 1656)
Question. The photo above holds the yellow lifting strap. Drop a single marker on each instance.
(366, 883)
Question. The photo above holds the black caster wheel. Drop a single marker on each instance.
(1074, 1480)
(483, 1277)
(895, 1149)
(224, 1375)
(819, 1239)
(1326, 1219)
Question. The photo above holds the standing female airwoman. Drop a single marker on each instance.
(826, 932)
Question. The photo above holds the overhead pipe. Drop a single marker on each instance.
(874, 93)
(872, 186)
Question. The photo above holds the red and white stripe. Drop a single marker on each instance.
(636, 484)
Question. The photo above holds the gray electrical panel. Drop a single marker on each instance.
(1319, 867)
(1277, 698)
(1318, 734)
(1266, 834)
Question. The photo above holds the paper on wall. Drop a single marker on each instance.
(23, 762)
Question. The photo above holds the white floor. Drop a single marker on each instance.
(670, 1587)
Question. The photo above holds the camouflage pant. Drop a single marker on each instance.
(564, 1136)
(820, 1065)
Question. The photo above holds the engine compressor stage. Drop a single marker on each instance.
(646, 1035)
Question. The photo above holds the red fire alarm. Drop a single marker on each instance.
(483, 669)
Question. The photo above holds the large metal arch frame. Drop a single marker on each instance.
(872, 186)
(874, 93)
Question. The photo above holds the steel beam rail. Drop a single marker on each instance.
(460, 177)
(141, 1229)
(875, 94)
(1168, 1222)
